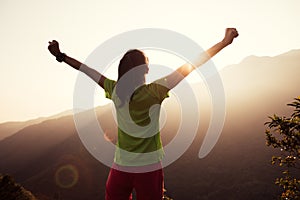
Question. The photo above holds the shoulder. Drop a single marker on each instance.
(158, 89)
(109, 83)
(108, 87)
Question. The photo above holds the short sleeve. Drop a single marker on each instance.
(159, 89)
(109, 86)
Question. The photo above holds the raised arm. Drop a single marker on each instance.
(93, 74)
(178, 75)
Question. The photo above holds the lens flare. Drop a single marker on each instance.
(66, 176)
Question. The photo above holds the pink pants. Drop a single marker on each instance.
(147, 185)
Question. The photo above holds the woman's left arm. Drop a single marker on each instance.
(178, 75)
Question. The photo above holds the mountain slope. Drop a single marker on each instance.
(9, 128)
(48, 157)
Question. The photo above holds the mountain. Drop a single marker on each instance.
(35, 155)
(9, 128)
(239, 165)
(49, 159)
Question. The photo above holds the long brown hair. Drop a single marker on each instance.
(131, 60)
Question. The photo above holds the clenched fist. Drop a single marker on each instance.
(230, 34)
(53, 47)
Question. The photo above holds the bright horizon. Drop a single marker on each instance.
(33, 84)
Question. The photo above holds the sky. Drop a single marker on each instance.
(34, 84)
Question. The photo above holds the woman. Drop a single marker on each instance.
(139, 151)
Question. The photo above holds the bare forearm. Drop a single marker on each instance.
(53, 47)
(92, 73)
(230, 34)
(174, 78)
(208, 54)
(72, 62)
(211, 52)
(203, 57)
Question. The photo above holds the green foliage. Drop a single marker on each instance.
(284, 133)
(9, 190)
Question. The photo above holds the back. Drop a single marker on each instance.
(139, 140)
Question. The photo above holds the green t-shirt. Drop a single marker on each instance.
(139, 141)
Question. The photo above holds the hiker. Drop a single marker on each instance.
(138, 145)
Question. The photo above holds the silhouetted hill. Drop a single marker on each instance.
(238, 167)
(262, 78)
(9, 128)
(35, 154)
(49, 159)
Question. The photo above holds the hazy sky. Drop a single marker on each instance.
(33, 84)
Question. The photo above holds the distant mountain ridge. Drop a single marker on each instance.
(237, 168)
(9, 128)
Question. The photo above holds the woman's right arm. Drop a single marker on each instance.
(93, 74)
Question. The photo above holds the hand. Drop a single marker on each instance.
(53, 47)
(230, 34)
